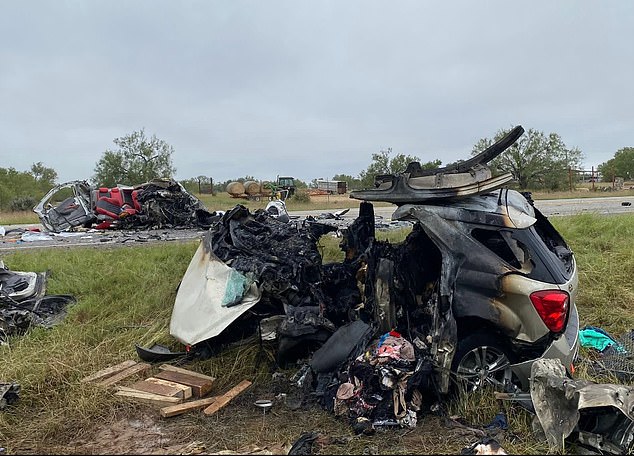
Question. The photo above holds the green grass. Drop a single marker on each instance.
(125, 296)
(605, 257)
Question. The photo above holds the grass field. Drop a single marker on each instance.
(125, 296)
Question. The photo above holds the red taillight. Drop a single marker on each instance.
(552, 307)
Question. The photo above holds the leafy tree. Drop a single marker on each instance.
(44, 175)
(137, 160)
(536, 160)
(191, 185)
(111, 169)
(300, 183)
(622, 165)
(383, 164)
(20, 189)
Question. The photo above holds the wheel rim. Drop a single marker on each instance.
(484, 366)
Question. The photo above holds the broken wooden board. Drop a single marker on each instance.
(147, 397)
(169, 367)
(174, 410)
(200, 386)
(157, 388)
(227, 397)
(187, 390)
(108, 371)
(137, 368)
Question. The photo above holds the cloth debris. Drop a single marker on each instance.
(382, 387)
(597, 338)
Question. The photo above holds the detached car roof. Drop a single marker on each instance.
(466, 178)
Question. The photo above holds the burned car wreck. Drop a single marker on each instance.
(481, 287)
(159, 203)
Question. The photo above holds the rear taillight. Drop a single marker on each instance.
(552, 307)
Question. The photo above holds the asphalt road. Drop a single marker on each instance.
(550, 208)
(603, 205)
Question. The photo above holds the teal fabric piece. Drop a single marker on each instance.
(595, 339)
(236, 287)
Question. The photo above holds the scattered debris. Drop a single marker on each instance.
(156, 399)
(158, 353)
(277, 209)
(597, 338)
(109, 371)
(170, 388)
(185, 390)
(304, 444)
(223, 400)
(596, 417)
(24, 303)
(9, 394)
(175, 410)
(199, 386)
(163, 389)
(499, 422)
(125, 373)
(114, 374)
(614, 355)
(485, 446)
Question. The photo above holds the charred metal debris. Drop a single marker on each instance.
(24, 303)
(595, 418)
(9, 394)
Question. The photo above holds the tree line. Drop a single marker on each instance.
(537, 161)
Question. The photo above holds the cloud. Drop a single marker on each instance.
(309, 89)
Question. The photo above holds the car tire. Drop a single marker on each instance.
(482, 360)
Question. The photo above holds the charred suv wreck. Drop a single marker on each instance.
(481, 288)
(159, 203)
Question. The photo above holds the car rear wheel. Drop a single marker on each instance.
(482, 361)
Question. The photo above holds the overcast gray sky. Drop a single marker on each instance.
(308, 88)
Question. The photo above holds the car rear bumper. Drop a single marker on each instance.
(564, 348)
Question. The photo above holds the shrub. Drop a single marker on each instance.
(301, 196)
(22, 203)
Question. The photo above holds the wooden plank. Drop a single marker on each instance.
(174, 410)
(226, 398)
(108, 371)
(200, 386)
(125, 374)
(148, 397)
(155, 388)
(171, 368)
(187, 390)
